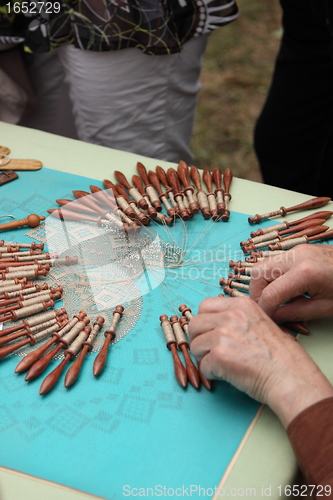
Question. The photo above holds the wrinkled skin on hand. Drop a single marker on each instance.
(236, 341)
(306, 269)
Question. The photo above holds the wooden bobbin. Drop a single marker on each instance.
(227, 178)
(163, 179)
(205, 381)
(207, 178)
(110, 334)
(217, 178)
(32, 220)
(184, 176)
(186, 311)
(150, 190)
(32, 246)
(233, 292)
(103, 198)
(133, 192)
(52, 378)
(233, 284)
(180, 372)
(120, 199)
(307, 205)
(202, 197)
(154, 180)
(173, 181)
(183, 345)
(239, 277)
(63, 341)
(151, 211)
(74, 371)
(31, 339)
(138, 215)
(31, 359)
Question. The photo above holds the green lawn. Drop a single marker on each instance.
(237, 69)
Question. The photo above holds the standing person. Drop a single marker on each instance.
(130, 69)
(294, 133)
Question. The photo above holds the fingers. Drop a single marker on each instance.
(265, 272)
(281, 290)
(304, 309)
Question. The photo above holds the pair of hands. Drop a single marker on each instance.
(235, 339)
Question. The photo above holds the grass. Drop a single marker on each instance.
(238, 65)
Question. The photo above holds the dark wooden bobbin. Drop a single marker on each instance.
(110, 335)
(205, 381)
(184, 346)
(52, 378)
(74, 371)
(171, 343)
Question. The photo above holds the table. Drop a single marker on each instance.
(265, 459)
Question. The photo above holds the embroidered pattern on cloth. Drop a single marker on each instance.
(154, 26)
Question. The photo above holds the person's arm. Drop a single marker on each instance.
(311, 436)
(305, 269)
(237, 342)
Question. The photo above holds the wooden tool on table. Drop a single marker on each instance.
(227, 178)
(205, 381)
(183, 345)
(150, 190)
(64, 337)
(217, 178)
(75, 369)
(207, 178)
(184, 176)
(109, 335)
(307, 205)
(7, 163)
(202, 197)
(50, 381)
(187, 316)
(31, 339)
(180, 372)
(285, 224)
(32, 220)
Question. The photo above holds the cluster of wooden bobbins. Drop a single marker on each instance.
(176, 335)
(73, 337)
(274, 240)
(22, 299)
(129, 206)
